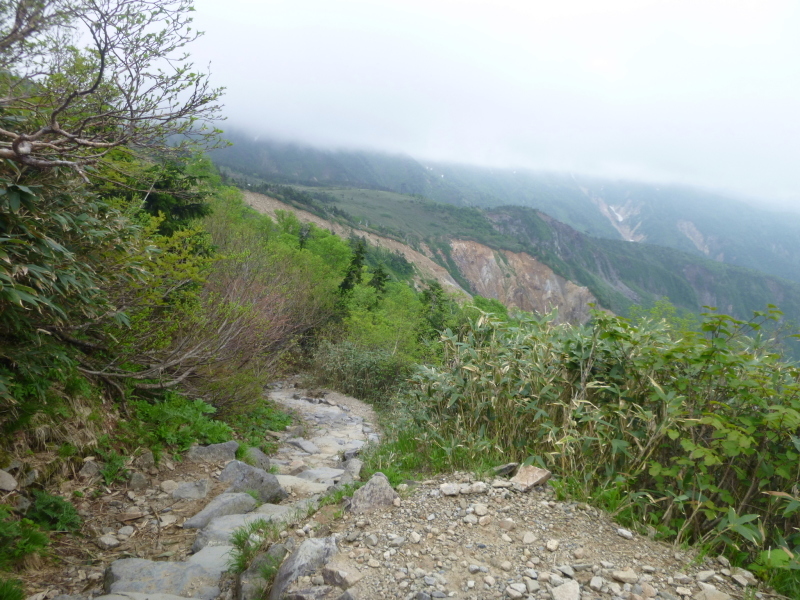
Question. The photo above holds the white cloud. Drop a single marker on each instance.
(701, 91)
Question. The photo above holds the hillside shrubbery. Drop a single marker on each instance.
(695, 436)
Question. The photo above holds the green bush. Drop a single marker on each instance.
(114, 464)
(18, 538)
(262, 416)
(53, 513)
(704, 424)
(373, 375)
(177, 422)
(11, 589)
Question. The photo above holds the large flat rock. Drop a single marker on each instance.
(189, 580)
(219, 530)
(224, 504)
(321, 474)
(301, 487)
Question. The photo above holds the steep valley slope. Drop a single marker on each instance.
(516, 279)
(699, 222)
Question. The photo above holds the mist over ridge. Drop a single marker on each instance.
(613, 175)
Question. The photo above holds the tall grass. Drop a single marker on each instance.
(694, 429)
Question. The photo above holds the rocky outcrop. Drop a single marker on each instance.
(519, 280)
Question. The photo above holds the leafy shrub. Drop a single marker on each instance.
(369, 374)
(704, 423)
(18, 538)
(251, 425)
(53, 513)
(113, 469)
(11, 589)
(178, 422)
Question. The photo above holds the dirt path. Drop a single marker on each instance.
(449, 537)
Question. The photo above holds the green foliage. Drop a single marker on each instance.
(11, 589)
(370, 374)
(54, 513)
(250, 540)
(684, 432)
(260, 417)
(177, 195)
(492, 306)
(114, 466)
(18, 539)
(176, 422)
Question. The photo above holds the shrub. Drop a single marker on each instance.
(251, 425)
(18, 538)
(53, 513)
(373, 375)
(113, 466)
(178, 422)
(705, 424)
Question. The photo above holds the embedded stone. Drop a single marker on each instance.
(528, 477)
(7, 481)
(375, 494)
(213, 453)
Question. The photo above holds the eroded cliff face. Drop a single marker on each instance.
(623, 217)
(515, 279)
(521, 281)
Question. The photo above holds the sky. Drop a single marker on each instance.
(704, 92)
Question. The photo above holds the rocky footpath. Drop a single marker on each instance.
(450, 537)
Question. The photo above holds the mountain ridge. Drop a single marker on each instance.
(694, 221)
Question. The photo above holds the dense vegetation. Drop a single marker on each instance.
(691, 436)
(619, 274)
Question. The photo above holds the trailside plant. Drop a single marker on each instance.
(690, 429)
(54, 513)
(11, 589)
(18, 539)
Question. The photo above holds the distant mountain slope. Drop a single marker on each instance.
(525, 258)
(694, 221)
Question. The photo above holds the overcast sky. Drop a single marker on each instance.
(702, 91)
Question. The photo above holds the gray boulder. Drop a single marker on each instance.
(213, 453)
(192, 490)
(220, 530)
(321, 474)
(7, 482)
(138, 481)
(257, 458)
(375, 494)
(90, 469)
(224, 504)
(354, 466)
(149, 577)
(243, 477)
(310, 556)
(146, 460)
(304, 445)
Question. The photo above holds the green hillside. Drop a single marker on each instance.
(730, 230)
(619, 274)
